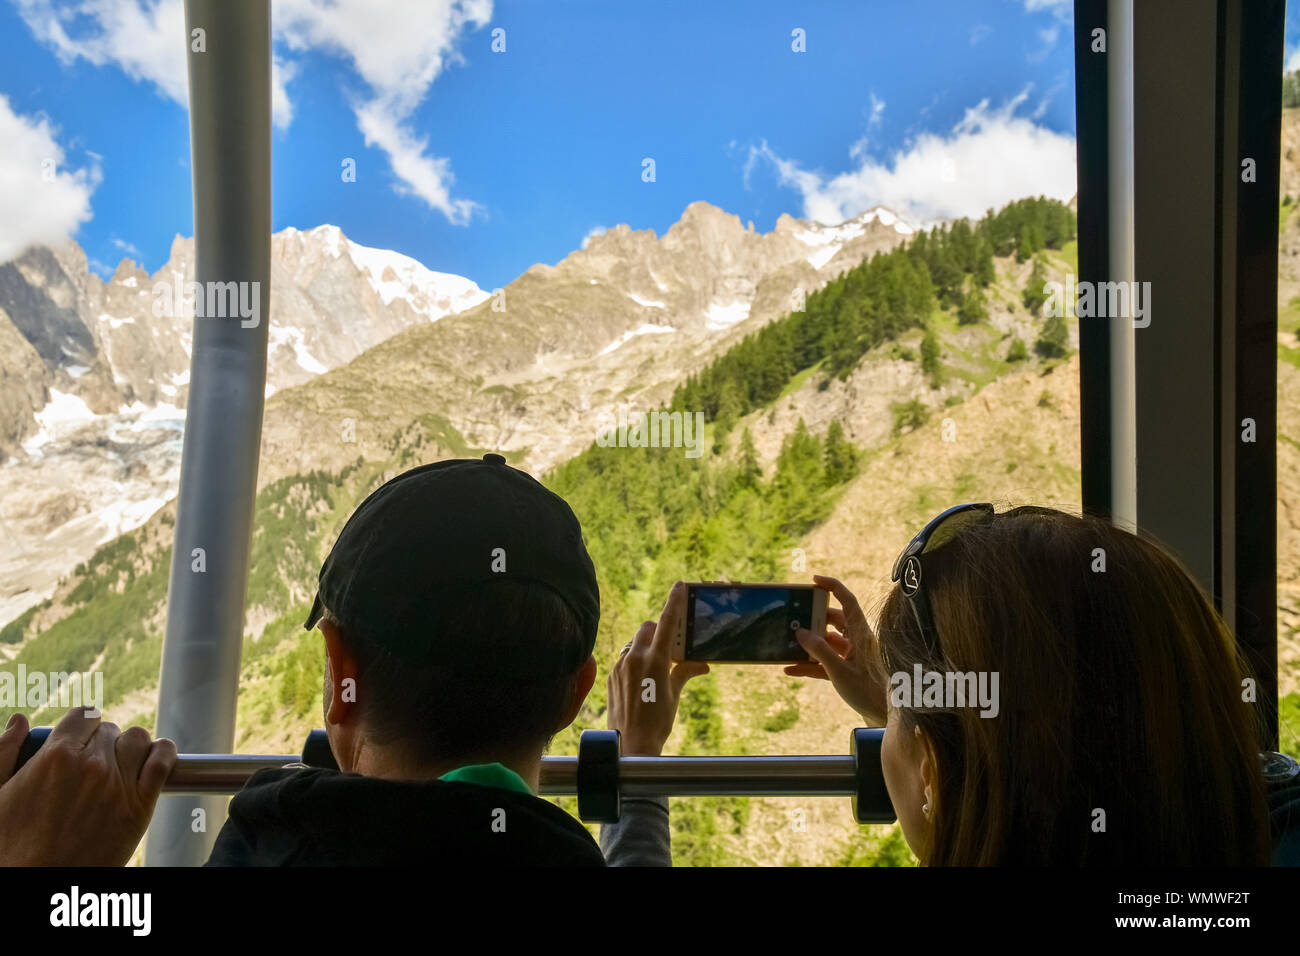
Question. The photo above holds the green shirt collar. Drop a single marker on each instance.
(488, 775)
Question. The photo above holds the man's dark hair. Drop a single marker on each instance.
(494, 673)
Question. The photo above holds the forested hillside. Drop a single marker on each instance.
(941, 325)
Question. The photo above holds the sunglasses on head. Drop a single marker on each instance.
(909, 570)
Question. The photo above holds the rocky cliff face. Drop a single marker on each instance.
(96, 374)
(617, 324)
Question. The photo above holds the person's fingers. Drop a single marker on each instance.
(104, 743)
(684, 672)
(842, 594)
(669, 622)
(823, 653)
(11, 741)
(132, 748)
(76, 728)
(807, 669)
(643, 638)
(836, 617)
(842, 645)
(158, 766)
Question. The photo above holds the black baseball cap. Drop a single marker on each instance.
(443, 528)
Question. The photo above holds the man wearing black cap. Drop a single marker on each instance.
(459, 610)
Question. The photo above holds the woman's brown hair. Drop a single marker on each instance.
(1121, 691)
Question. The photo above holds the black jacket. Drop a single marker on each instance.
(314, 817)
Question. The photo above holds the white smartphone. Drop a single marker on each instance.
(748, 623)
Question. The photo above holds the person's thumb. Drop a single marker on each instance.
(837, 669)
(684, 671)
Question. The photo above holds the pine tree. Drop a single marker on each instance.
(749, 473)
(1028, 243)
(930, 359)
(1035, 295)
(984, 272)
(840, 459)
(1054, 340)
(1017, 352)
(730, 405)
(973, 307)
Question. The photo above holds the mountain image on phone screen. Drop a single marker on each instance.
(731, 623)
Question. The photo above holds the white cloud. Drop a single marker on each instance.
(282, 72)
(128, 248)
(1292, 61)
(592, 233)
(1046, 43)
(146, 40)
(989, 158)
(41, 201)
(873, 120)
(877, 108)
(398, 49)
(418, 174)
(1064, 9)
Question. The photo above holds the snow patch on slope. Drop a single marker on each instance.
(646, 303)
(724, 315)
(828, 240)
(61, 416)
(647, 329)
(432, 294)
(293, 338)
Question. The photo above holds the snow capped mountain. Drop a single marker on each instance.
(129, 339)
(92, 425)
(393, 275)
(97, 376)
(827, 241)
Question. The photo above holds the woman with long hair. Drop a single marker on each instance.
(1122, 733)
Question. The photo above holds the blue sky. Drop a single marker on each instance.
(483, 163)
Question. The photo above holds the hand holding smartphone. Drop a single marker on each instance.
(748, 623)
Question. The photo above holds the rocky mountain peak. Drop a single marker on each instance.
(128, 269)
(703, 224)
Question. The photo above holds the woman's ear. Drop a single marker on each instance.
(928, 768)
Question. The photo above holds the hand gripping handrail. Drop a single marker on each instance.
(600, 776)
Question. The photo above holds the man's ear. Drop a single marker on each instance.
(582, 685)
(341, 670)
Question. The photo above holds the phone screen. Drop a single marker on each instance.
(746, 622)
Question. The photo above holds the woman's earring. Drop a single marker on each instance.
(925, 808)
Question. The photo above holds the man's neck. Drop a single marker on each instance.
(382, 763)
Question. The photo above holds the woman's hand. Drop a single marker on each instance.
(644, 686)
(841, 656)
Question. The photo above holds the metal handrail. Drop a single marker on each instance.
(776, 776)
